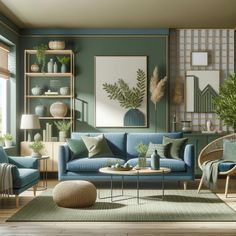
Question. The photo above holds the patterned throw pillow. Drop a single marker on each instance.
(97, 146)
(77, 147)
(163, 150)
(177, 147)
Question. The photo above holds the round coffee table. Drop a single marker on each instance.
(135, 172)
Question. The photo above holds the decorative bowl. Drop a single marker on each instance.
(58, 109)
(56, 45)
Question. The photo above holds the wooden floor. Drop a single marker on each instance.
(7, 208)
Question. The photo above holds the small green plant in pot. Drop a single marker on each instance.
(40, 55)
(8, 138)
(36, 147)
(142, 150)
(64, 61)
(63, 127)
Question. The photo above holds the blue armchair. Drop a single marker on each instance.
(25, 173)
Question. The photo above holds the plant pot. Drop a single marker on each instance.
(63, 68)
(1, 143)
(36, 154)
(64, 90)
(58, 109)
(34, 68)
(36, 90)
(142, 162)
(62, 136)
(134, 117)
(8, 143)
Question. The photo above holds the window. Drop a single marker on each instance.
(4, 75)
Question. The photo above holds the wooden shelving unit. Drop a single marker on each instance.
(32, 78)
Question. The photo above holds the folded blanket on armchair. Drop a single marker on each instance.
(210, 170)
(6, 179)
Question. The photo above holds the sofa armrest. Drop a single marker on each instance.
(63, 158)
(189, 158)
(24, 162)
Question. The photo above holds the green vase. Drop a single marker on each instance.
(134, 117)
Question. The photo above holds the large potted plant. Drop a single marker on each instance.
(63, 127)
(225, 103)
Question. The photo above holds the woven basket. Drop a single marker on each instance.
(57, 45)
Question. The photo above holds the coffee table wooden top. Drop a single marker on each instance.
(147, 171)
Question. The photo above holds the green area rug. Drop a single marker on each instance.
(178, 205)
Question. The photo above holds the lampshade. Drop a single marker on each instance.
(29, 121)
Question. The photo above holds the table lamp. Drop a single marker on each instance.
(29, 122)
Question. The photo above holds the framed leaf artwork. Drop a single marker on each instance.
(121, 91)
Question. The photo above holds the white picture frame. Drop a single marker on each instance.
(109, 69)
(199, 58)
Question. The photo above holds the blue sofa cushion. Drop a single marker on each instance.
(91, 164)
(25, 177)
(173, 164)
(116, 141)
(225, 166)
(3, 156)
(133, 139)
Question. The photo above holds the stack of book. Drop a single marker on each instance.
(47, 133)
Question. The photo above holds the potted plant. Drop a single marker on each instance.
(63, 126)
(36, 147)
(225, 103)
(40, 55)
(63, 60)
(8, 138)
(142, 150)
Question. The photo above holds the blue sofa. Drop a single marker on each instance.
(123, 147)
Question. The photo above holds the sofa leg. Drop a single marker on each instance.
(17, 201)
(35, 189)
(200, 185)
(227, 185)
(185, 185)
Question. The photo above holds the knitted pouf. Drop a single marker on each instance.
(74, 194)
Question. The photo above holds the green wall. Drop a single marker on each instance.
(86, 47)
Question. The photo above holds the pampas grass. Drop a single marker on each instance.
(157, 86)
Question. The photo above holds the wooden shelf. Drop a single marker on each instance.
(35, 74)
(55, 52)
(54, 118)
(49, 96)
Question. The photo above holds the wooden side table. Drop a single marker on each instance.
(43, 161)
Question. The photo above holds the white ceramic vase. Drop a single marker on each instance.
(8, 143)
(62, 136)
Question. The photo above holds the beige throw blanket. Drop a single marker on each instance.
(6, 180)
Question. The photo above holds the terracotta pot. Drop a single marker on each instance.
(34, 68)
(58, 109)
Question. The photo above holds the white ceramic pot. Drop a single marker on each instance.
(62, 136)
(58, 109)
(8, 143)
(35, 154)
(36, 90)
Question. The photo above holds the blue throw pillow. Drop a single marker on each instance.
(3, 156)
(229, 150)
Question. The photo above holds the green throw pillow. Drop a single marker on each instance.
(229, 150)
(177, 147)
(163, 150)
(77, 147)
(3, 156)
(97, 146)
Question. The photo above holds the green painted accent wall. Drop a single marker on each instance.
(86, 47)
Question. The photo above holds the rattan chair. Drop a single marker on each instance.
(214, 151)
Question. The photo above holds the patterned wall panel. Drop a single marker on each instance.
(219, 43)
